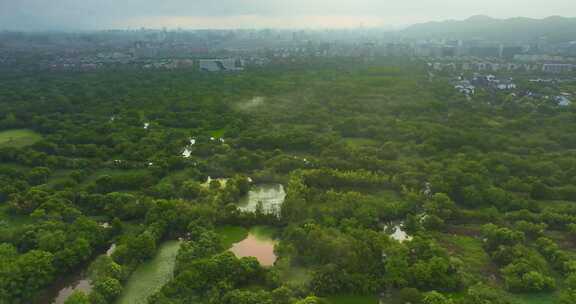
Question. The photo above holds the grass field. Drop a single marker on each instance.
(297, 275)
(554, 204)
(112, 172)
(386, 195)
(359, 141)
(18, 138)
(231, 234)
(177, 176)
(469, 250)
(377, 194)
(217, 133)
(263, 232)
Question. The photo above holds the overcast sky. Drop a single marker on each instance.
(115, 14)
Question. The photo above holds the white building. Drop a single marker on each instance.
(506, 86)
(221, 65)
(562, 101)
(557, 68)
(465, 88)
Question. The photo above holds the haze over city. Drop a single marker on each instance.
(288, 151)
(70, 15)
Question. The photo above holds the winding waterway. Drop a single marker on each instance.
(151, 275)
(58, 292)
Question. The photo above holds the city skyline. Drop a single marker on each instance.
(69, 15)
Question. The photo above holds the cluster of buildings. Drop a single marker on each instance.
(482, 56)
(169, 64)
(163, 49)
(98, 63)
(221, 65)
(558, 67)
(478, 65)
(469, 86)
(528, 50)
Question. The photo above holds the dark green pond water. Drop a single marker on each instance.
(151, 276)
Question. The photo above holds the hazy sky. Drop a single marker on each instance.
(107, 14)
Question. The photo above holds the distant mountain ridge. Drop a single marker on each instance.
(554, 29)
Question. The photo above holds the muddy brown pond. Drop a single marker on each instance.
(259, 244)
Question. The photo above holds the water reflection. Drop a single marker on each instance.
(257, 244)
(77, 281)
(81, 283)
(271, 197)
(111, 250)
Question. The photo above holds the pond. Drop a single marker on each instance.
(259, 244)
(271, 195)
(151, 275)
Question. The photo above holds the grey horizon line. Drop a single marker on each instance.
(171, 29)
(386, 28)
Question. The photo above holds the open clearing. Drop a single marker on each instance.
(18, 138)
(231, 235)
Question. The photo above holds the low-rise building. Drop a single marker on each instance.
(221, 65)
(465, 87)
(564, 99)
(557, 68)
